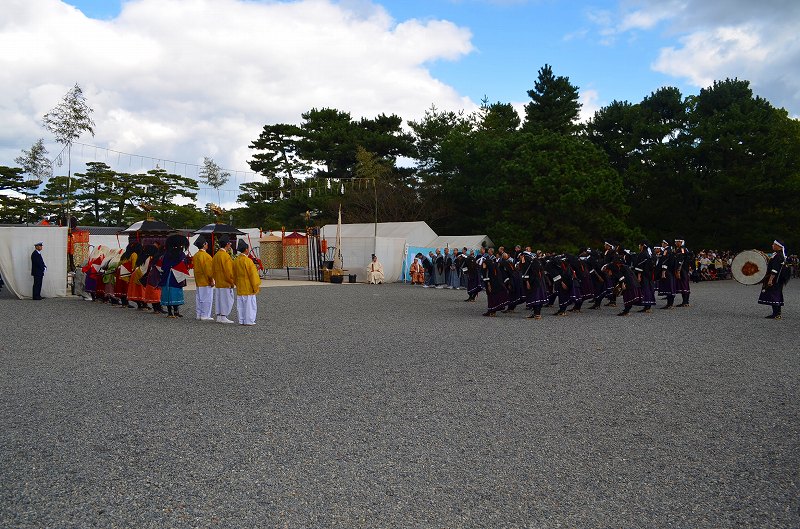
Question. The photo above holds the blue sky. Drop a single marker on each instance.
(512, 39)
(173, 81)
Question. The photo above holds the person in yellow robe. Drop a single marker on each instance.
(203, 279)
(222, 266)
(248, 284)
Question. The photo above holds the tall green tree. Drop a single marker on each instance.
(15, 195)
(95, 193)
(34, 162)
(276, 152)
(328, 141)
(744, 164)
(67, 122)
(213, 175)
(554, 105)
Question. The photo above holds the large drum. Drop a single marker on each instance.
(750, 267)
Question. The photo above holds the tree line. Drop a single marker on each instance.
(720, 169)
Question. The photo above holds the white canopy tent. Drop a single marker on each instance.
(16, 246)
(358, 241)
(461, 241)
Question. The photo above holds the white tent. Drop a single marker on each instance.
(359, 241)
(16, 246)
(461, 241)
(415, 233)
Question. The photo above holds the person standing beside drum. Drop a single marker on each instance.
(772, 291)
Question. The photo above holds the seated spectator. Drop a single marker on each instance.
(375, 271)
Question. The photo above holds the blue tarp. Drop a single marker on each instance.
(414, 250)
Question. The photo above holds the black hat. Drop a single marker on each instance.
(200, 241)
(223, 240)
(242, 246)
(645, 242)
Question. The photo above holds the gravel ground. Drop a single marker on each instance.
(396, 406)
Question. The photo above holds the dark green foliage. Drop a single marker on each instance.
(554, 105)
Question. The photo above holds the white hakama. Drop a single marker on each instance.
(223, 300)
(203, 298)
(246, 309)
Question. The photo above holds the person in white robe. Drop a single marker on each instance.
(375, 271)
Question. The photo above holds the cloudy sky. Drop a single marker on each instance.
(176, 80)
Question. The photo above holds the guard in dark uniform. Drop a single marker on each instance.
(37, 270)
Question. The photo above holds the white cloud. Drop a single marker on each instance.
(706, 56)
(756, 41)
(590, 103)
(183, 79)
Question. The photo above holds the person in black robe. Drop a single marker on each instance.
(427, 265)
(37, 270)
(594, 266)
(512, 280)
(438, 269)
(562, 278)
(609, 253)
(496, 293)
(474, 283)
(533, 284)
(626, 283)
(684, 263)
(643, 266)
(581, 284)
(777, 276)
(665, 268)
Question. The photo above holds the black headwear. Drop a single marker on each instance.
(200, 241)
(222, 240)
(242, 246)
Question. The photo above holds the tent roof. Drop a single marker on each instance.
(460, 241)
(416, 233)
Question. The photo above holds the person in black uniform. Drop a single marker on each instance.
(594, 265)
(496, 293)
(627, 283)
(37, 270)
(777, 276)
(608, 258)
(683, 270)
(561, 275)
(643, 266)
(512, 280)
(533, 284)
(665, 268)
